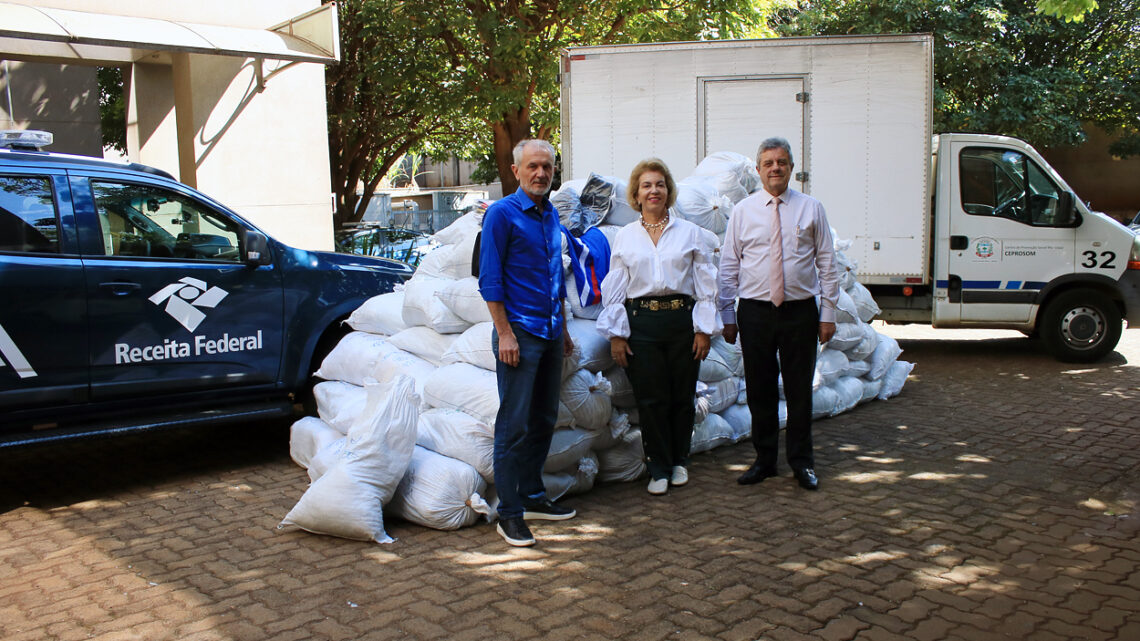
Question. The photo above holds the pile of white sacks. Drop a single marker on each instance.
(407, 412)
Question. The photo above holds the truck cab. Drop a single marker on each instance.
(1015, 248)
(133, 302)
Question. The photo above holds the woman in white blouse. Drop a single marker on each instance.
(659, 312)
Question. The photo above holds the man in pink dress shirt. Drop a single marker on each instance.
(777, 257)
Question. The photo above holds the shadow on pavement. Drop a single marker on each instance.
(59, 474)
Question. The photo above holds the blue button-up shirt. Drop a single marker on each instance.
(520, 263)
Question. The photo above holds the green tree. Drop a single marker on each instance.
(504, 56)
(112, 108)
(1006, 66)
(387, 96)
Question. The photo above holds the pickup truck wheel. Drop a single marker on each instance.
(1081, 326)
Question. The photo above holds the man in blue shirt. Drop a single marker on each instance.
(520, 277)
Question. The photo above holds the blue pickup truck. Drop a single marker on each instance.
(129, 301)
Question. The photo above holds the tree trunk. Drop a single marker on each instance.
(508, 131)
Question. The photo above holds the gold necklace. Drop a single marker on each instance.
(655, 226)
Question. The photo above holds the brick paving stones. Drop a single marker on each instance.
(996, 498)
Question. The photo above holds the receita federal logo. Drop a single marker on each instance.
(186, 298)
(11, 356)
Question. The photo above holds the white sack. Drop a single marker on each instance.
(567, 447)
(857, 368)
(724, 360)
(867, 346)
(587, 395)
(712, 432)
(400, 363)
(383, 314)
(462, 297)
(613, 432)
(424, 342)
(460, 436)
(740, 166)
(307, 436)
(824, 402)
(845, 309)
(593, 349)
(577, 481)
(423, 307)
(449, 261)
(720, 394)
(886, 353)
(894, 379)
(473, 346)
(354, 358)
(464, 227)
(348, 500)
(326, 457)
(700, 202)
(464, 387)
(845, 268)
(620, 388)
(439, 492)
(830, 364)
(565, 416)
(339, 403)
(871, 389)
(849, 391)
(739, 418)
(847, 335)
(864, 303)
(625, 461)
(702, 407)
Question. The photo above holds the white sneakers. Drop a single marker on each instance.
(680, 475)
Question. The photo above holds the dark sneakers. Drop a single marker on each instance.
(515, 532)
(547, 510)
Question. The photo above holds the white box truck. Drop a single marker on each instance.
(955, 230)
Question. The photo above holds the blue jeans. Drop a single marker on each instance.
(528, 409)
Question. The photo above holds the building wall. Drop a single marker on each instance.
(262, 149)
(62, 99)
(1110, 185)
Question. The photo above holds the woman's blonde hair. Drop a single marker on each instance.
(650, 164)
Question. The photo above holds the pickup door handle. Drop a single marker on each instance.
(120, 288)
(959, 242)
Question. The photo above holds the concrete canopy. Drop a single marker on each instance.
(42, 33)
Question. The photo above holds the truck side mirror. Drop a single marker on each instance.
(256, 247)
(1066, 210)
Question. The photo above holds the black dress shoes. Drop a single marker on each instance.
(807, 478)
(755, 474)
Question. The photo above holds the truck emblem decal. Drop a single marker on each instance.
(10, 355)
(185, 297)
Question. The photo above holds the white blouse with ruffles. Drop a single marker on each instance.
(682, 262)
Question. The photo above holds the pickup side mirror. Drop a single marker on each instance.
(256, 247)
(1066, 210)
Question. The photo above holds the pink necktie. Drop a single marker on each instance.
(776, 256)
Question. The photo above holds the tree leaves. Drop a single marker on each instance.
(1005, 66)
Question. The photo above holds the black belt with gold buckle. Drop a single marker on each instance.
(660, 303)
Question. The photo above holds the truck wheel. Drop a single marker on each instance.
(1081, 326)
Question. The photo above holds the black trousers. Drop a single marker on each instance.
(774, 341)
(663, 375)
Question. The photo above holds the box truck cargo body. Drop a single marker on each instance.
(956, 230)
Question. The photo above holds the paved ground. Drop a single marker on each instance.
(996, 498)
